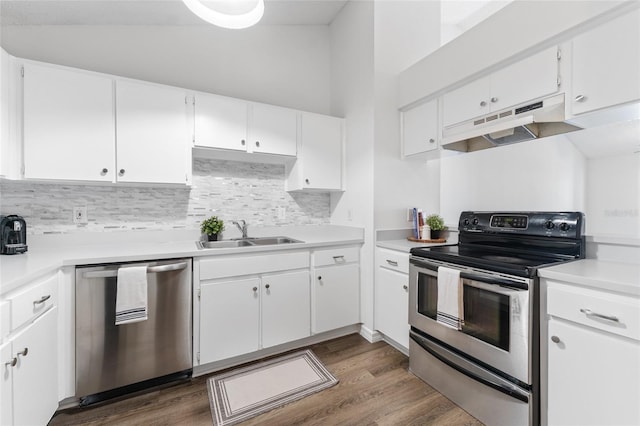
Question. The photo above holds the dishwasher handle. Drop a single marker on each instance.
(150, 270)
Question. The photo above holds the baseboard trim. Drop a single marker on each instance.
(371, 335)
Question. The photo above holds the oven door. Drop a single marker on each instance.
(497, 321)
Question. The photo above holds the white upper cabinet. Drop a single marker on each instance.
(273, 130)
(420, 129)
(236, 125)
(319, 162)
(220, 122)
(606, 65)
(69, 128)
(152, 133)
(531, 78)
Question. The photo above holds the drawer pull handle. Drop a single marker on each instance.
(392, 262)
(590, 313)
(255, 289)
(12, 363)
(24, 352)
(405, 287)
(338, 258)
(555, 339)
(42, 299)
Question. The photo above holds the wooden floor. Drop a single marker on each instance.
(375, 389)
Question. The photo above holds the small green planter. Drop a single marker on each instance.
(212, 227)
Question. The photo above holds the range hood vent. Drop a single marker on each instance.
(531, 121)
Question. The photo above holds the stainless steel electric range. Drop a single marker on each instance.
(474, 310)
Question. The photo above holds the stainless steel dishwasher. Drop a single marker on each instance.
(115, 359)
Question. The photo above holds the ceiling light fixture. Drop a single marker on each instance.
(229, 18)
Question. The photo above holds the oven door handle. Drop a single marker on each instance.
(495, 281)
(474, 277)
(470, 370)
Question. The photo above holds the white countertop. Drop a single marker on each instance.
(48, 253)
(396, 239)
(604, 275)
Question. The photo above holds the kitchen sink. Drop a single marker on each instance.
(246, 242)
(273, 240)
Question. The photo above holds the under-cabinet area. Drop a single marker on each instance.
(248, 303)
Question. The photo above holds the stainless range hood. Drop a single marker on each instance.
(526, 122)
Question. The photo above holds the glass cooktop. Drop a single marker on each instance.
(495, 259)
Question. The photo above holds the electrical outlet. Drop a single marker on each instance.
(282, 213)
(410, 214)
(80, 215)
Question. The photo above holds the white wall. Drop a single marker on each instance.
(404, 32)
(546, 174)
(281, 65)
(352, 97)
(613, 195)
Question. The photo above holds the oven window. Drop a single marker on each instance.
(427, 295)
(486, 316)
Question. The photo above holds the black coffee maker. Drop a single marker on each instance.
(13, 235)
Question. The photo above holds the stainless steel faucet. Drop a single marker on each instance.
(242, 228)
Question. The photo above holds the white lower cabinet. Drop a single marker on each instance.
(592, 348)
(285, 308)
(248, 303)
(30, 374)
(392, 295)
(336, 288)
(235, 307)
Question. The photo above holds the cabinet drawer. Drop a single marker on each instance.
(229, 266)
(336, 256)
(391, 259)
(613, 313)
(34, 301)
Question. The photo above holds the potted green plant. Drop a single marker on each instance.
(212, 227)
(436, 225)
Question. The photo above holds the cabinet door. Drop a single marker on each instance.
(35, 376)
(420, 129)
(6, 391)
(466, 102)
(606, 64)
(592, 377)
(336, 297)
(321, 152)
(69, 128)
(531, 78)
(229, 319)
(273, 130)
(392, 305)
(152, 133)
(286, 306)
(220, 122)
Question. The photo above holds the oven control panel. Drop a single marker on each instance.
(550, 224)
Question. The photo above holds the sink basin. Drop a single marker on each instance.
(273, 240)
(245, 242)
(222, 244)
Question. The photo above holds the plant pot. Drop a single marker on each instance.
(212, 237)
(436, 234)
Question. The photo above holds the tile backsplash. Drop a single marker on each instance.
(229, 189)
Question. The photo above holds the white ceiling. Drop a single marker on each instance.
(154, 12)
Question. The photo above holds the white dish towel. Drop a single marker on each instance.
(131, 295)
(449, 310)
